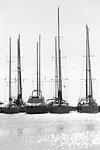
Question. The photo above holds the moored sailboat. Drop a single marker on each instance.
(19, 101)
(59, 105)
(88, 104)
(1, 107)
(36, 102)
(10, 108)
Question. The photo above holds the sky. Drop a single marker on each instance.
(29, 18)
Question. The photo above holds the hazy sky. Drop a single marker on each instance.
(33, 17)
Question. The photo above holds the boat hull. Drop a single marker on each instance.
(88, 109)
(22, 109)
(10, 110)
(36, 109)
(59, 109)
(1, 109)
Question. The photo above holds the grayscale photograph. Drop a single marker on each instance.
(49, 75)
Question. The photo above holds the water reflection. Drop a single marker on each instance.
(60, 129)
(19, 131)
(90, 127)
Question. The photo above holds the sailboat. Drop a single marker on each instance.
(36, 102)
(11, 108)
(19, 101)
(1, 107)
(59, 105)
(88, 104)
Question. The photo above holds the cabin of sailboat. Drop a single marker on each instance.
(88, 104)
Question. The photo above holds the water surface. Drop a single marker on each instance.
(73, 131)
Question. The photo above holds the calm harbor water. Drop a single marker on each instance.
(73, 131)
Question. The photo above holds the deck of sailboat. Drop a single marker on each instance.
(36, 100)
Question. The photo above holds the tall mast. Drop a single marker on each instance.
(56, 69)
(59, 56)
(37, 72)
(39, 64)
(10, 99)
(19, 72)
(89, 75)
(86, 62)
(18, 69)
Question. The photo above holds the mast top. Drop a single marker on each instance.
(10, 43)
(19, 36)
(58, 14)
(58, 9)
(87, 28)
